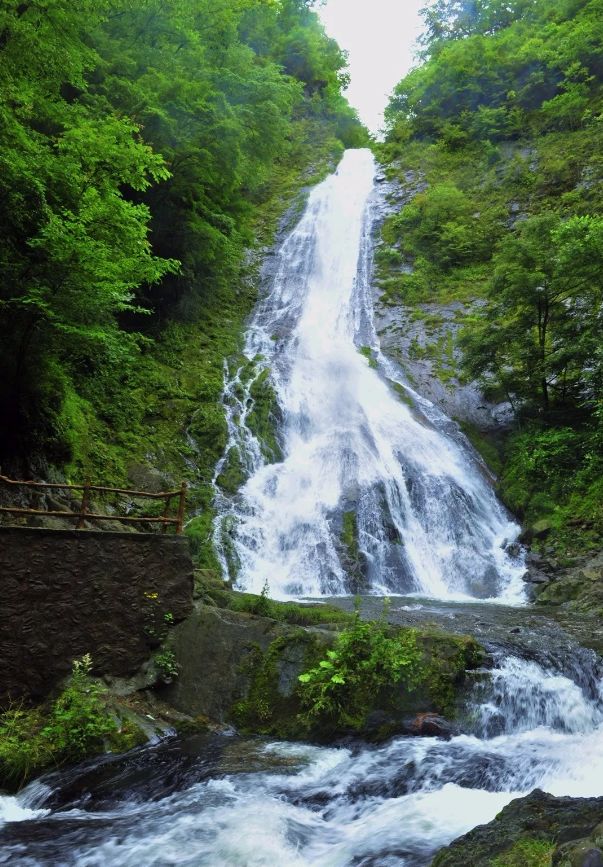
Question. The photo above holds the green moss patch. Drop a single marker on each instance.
(233, 474)
(486, 445)
(264, 417)
(214, 591)
(527, 853)
(369, 355)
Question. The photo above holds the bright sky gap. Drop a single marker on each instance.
(380, 37)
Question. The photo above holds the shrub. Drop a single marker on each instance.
(76, 725)
(366, 658)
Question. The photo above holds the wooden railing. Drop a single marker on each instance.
(84, 513)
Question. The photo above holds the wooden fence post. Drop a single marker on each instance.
(166, 513)
(85, 505)
(181, 507)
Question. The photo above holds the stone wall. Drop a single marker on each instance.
(64, 593)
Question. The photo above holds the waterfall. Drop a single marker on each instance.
(358, 491)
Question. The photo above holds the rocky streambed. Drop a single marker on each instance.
(527, 715)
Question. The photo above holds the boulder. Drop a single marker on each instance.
(242, 668)
(536, 823)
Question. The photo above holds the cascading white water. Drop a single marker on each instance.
(298, 805)
(360, 469)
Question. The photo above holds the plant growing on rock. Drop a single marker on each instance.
(365, 659)
(76, 725)
(167, 665)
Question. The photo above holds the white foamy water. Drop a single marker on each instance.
(13, 810)
(427, 518)
(391, 806)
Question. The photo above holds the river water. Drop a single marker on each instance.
(223, 801)
(427, 522)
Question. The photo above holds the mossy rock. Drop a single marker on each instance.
(352, 559)
(199, 532)
(561, 591)
(265, 416)
(528, 852)
(241, 656)
(272, 703)
(525, 833)
(233, 475)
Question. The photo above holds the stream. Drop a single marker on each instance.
(222, 800)
(355, 439)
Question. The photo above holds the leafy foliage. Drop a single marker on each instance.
(137, 144)
(77, 724)
(366, 658)
(497, 137)
(538, 339)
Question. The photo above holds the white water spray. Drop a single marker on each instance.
(369, 494)
(306, 806)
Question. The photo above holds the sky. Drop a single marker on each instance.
(379, 36)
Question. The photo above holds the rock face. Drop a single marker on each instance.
(66, 593)
(244, 669)
(421, 339)
(565, 825)
(215, 648)
(576, 588)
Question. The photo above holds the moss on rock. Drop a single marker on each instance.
(272, 704)
(265, 415)
(352, 558)
(323, 685)
(527, 853)
(233, 474)
(526, 833)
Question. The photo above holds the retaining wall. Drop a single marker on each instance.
(64, 593)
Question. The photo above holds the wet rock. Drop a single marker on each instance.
(414, 343)
(536, 576)
(541, 529)
(583, 854)
(533, 558)
(539, 819)
(430, 725)
(147, 478)
(211, 647)
(487, 586)
(562, 590)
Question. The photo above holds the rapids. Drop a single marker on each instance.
(425, 514)
(222, 801)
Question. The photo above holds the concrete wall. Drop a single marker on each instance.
(64, 593)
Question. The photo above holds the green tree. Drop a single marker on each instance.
(136, 142)
(538, 337)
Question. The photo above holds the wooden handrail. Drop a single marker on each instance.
(84, 513)
(64, 487)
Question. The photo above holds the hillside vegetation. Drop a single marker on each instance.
(145, 148)
(497, 139)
